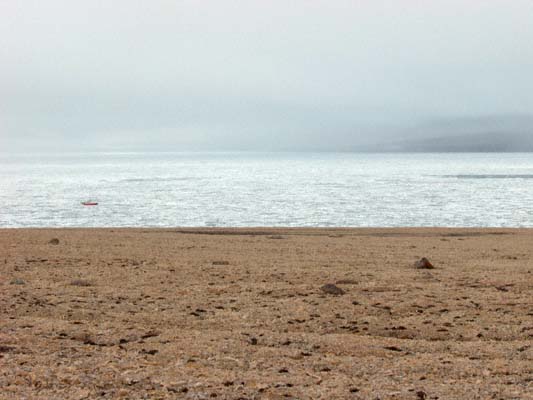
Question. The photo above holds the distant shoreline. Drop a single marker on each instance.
(333, 151)
(303, 230)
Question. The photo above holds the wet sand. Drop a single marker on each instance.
(240, 314)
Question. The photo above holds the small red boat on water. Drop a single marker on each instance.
(89, 203)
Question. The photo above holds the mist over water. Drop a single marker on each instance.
(266, 189)
(344, 75)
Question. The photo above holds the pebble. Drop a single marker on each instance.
(421, 395)
(80, 282)
(332, 289)
(424, 263)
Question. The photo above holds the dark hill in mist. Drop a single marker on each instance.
(491, 134)
(479, 142)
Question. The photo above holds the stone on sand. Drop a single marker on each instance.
(330, 288)
(424, 263)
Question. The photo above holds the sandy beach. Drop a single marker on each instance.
(240, 314)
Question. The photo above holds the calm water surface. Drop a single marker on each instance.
(266, 189)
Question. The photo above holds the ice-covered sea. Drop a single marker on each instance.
(266, 189)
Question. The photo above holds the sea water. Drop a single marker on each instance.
(266, 189)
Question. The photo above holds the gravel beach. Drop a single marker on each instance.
(266, 313)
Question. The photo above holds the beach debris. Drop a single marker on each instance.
(177, 388)
(424, 263)
(347, 282)
(332, 289)
(421, 395)
(149, 352)
(17, 281)
(84, 337)
(253, 341)
(6, 349)
(220, 262)
(392, 348)
(54, 241)
(128, 339)
(149, 334)
(278, 237)
(80, 282)
(504, 288)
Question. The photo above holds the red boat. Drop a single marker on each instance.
(89, 203)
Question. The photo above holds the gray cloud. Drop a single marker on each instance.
(257, 75)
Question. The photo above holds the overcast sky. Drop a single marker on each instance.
(181, 75)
